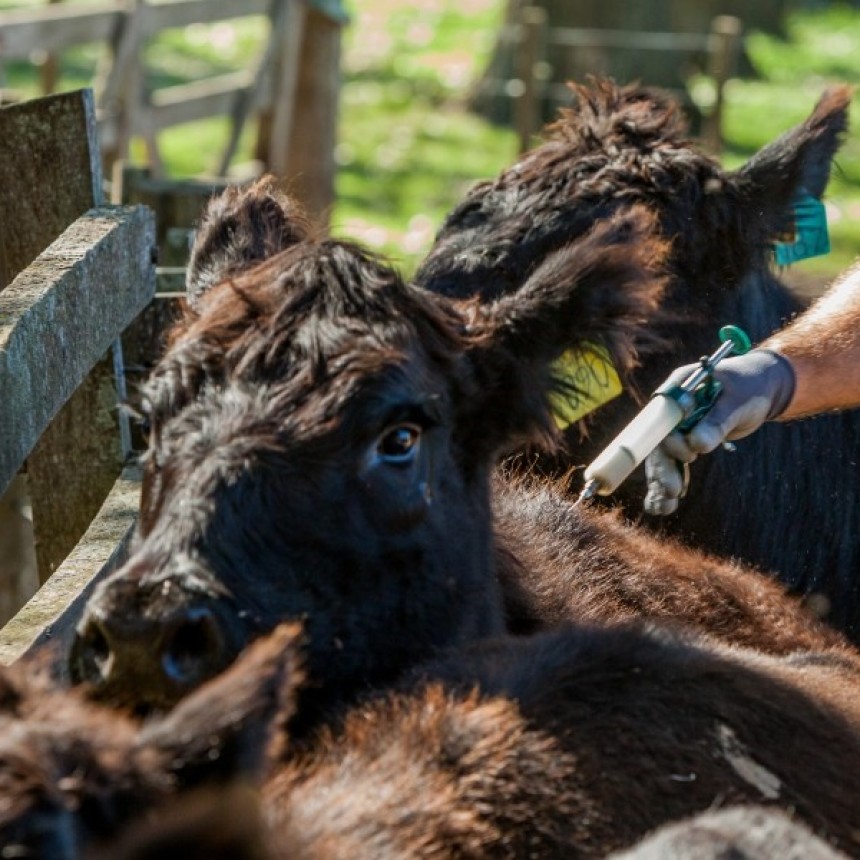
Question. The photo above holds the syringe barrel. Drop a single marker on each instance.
(634, 443)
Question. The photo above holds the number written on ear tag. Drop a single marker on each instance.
(590, 380)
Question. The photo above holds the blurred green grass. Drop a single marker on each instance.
(408, 148)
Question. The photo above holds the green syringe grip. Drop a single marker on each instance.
(668, 409)
(741, 342)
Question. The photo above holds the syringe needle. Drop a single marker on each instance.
(590, 489)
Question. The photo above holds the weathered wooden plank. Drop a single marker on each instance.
(74, 464)
(49, 617)
(198, 100)
(17, 553)
(49, 144)
(181, 13)
(50, 174)
(51, 28)
(54, 27)
(575, 37)
(60, 315)
(305, 150)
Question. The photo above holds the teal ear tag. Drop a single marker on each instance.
(810, 237)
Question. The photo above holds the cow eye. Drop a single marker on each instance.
(399, 444)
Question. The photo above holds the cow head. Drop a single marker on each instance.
(321, 440)
(617, 146)
(74, 776)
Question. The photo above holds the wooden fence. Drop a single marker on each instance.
(536, 89)
(298, 65)
(74, 274)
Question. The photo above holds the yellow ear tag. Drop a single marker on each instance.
(593, 381)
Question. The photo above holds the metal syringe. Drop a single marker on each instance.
(671, 407)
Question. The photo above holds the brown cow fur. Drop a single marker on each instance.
(603, 569)
(271, 493)
(572, 743)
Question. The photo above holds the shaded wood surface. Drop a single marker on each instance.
(50, 174)
(49, 618)
(58, 319)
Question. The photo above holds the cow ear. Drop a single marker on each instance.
(239, 228)
(594, 294)
(795, 165)
(227, 729)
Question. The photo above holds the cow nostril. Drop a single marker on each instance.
(91, 655)
(194, 648)
(142, 710)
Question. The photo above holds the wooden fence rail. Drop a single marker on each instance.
(24, 32)
(536, 82)
(127, 106)
(75, 274)
(78, 278)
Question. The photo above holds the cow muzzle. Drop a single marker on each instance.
(146, 665)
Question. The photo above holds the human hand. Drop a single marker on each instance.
(756, 387)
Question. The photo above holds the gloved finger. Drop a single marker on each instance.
(657, 504)
(666, 483)
(727, 420)
(676, 446)
(705, 437)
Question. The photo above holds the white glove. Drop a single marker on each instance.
(757, 387)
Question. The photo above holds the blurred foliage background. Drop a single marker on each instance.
(408, 147)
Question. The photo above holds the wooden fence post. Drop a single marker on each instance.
(296, 139)
(723, 47)
(29, 157)
(275, 123)
(527, 105)
(119, 86)
(50, 174)
(310, 162)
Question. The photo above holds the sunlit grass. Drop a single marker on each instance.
(407, 146)
(820, 49)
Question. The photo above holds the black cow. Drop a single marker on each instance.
(571, 743)
(788, 499)
(322, 442)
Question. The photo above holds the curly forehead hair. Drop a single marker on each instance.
(292, 314)
(611, 116)
(615, 141)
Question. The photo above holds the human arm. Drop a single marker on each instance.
(823, 346)
(811, 366)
